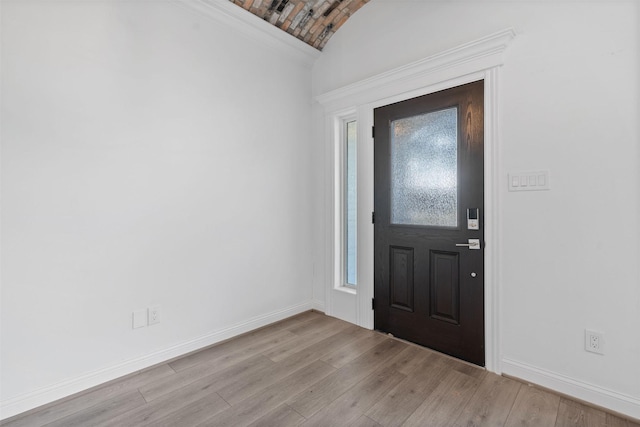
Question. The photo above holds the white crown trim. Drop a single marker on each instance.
(483, 53)
(227, 13)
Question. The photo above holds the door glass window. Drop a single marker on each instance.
(424, 169)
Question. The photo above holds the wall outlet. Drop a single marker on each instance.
(154, 314)
(139, 319)
(594, 341)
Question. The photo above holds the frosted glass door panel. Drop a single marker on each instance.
(424, 169)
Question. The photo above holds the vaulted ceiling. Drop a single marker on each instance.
(312, 21)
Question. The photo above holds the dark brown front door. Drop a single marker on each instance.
(428, 201)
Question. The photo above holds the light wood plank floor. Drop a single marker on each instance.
(315, 370)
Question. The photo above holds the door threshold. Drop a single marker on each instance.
(448, 356)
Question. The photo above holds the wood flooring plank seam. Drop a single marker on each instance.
(294, 409)
(288, 365)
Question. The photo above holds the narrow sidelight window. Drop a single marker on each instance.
(350, 132)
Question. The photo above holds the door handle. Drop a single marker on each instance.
(473, 244)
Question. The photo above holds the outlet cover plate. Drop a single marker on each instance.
(594, 341)
(154, 314)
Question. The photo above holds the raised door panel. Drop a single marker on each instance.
(401, 278)
(445, 286)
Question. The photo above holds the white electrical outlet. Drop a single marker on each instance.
(154, 314)
(594, 341)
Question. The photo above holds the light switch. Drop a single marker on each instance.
(139, 319)
(536, 180)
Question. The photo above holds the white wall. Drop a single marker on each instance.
(150, 155)
(569, 103)
(153, 156)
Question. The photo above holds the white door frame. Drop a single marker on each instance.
(479, 60)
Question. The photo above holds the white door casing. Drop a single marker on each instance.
(478, 60)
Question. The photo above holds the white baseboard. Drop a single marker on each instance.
(609, 399)
(318, 305)
(27, 401)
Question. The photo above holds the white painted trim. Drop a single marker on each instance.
(492, 203)
(478, 60)
(349, 290)
(318, 305)
(477, 55)
(364, 313)
(27, 401)
(605, 398)
(340, 300)
(258, 30)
